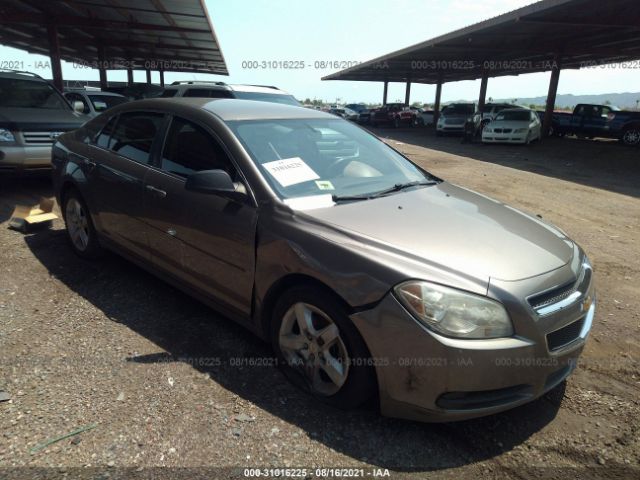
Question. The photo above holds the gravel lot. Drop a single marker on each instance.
(157, 375)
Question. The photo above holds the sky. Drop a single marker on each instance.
(313, 31)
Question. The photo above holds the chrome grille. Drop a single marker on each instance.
(543, 303)
(40, 138)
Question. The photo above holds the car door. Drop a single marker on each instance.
(204, 239)
(122, 153)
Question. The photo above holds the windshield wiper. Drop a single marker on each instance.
(381, 193)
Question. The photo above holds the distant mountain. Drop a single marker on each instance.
(622, 100)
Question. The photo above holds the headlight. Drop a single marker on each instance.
(454, 313)
(6, 136)
(487, 129)
(520, 130)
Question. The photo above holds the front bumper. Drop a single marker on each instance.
(450, 128)
(504, 138)
(427, 377)
(23, 159)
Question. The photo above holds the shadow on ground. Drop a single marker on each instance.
(183, 328)
(599, 163)
(22, 191)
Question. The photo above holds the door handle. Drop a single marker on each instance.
(156, 191)
(89, 163)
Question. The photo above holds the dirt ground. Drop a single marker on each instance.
(161, 380)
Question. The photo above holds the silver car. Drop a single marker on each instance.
(93, 102)
(370, 277)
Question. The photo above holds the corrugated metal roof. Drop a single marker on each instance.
(172, 35)
(577, 33)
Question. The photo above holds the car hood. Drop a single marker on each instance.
(456, 229)
(41, 119)
(509, 124)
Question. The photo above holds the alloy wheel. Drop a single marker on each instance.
(312, 345)
(631, 136)
(77, 224)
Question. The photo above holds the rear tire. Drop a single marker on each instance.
(319, 348)
(80, 230)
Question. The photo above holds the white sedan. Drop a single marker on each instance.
(514, 125)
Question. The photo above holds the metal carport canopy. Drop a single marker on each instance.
(535, 38)
(165, 35)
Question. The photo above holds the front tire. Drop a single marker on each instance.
(80, 230)
(631, 136)
(320, 349)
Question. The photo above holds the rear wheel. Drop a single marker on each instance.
(319, 348)
(82, 234)
(631, 136)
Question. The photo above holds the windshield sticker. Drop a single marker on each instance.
(290, 171)
(310, 202)
(324, 185)
(98, 105)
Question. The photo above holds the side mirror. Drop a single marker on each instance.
(78, 106)
(210, 181)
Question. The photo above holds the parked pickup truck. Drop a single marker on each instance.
(599, 121)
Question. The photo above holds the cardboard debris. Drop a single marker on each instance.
(25, 217)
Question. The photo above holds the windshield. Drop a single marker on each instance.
(268, 97)
(330, 157)
(460, 109)
(19, 93)
(103, 102)
(514, 115)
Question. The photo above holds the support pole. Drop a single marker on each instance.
(102, 67)
(129, 77)
(148, 77)
(436, 106)
(551, 98)
(54, 54)
(161, 78)
(407, 93)
(384, 93)
(103, 78)
(483, 91)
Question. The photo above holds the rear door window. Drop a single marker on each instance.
(103, 138)
(134, 135)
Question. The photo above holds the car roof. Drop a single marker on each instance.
(22, 75)
(223, 86)
(228, 109)
(102, 92)
(93, 92)
(516, 109)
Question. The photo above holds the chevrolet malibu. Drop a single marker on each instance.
(372, 279)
